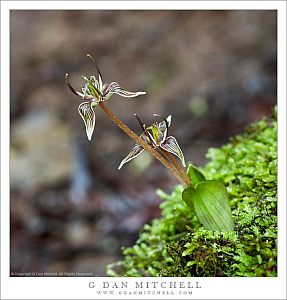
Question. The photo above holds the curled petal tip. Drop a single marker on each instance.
(169, 120)
(90, 56)
(70, 87)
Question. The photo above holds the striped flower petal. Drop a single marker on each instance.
(163, 126)
(114, 88)
(137, 150)
(88, 115)
(161, 131)
(171, 145)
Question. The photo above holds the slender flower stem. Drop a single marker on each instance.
(141, 142)
(177, 166)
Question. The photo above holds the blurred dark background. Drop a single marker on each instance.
(71, 209)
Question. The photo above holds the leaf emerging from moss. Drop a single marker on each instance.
(177, 245)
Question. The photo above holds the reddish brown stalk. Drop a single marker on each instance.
(141, 142)
(177, 166)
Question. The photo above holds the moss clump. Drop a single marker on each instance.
(176, 244)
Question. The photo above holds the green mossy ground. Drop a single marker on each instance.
(177, 245)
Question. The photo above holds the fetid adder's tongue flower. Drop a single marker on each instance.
(93, 92)
(156, 136)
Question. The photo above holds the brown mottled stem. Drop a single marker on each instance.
(141, 142)
(177, 166)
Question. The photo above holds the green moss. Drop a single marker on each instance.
(176, 244)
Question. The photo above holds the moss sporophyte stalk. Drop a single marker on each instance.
(208, 199)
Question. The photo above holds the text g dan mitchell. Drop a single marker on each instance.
(145, 285)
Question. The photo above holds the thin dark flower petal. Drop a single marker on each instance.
(99, 72)
(71, 88)
(137, 149)
(171, 145)
(114, 88)
(142, 125)
(88, 115)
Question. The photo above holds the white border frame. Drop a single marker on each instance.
(78, 288)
